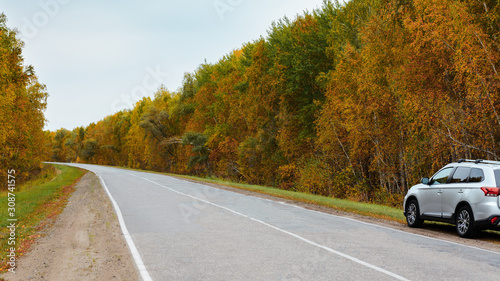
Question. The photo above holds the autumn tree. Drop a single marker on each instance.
(23, 100)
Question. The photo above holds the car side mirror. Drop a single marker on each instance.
(425, 181)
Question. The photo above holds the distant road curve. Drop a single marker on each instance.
(179, 230)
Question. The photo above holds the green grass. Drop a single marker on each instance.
(36, 202)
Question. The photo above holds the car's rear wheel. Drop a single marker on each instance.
(465, 222)
(413, 214)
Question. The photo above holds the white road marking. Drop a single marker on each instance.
(351, 258)
(388, 228)
(133, 249)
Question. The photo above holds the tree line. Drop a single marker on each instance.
(22, 103)
(356, 100)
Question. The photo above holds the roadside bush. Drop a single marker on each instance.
(286, 176)
(344, 185)
(314, 178)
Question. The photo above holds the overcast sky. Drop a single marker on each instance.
(97, 57)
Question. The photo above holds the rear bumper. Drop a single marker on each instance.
(491, 222)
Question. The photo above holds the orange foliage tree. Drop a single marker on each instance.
(23, 100)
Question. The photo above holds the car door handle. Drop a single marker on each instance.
(460, 192)
(440, 192)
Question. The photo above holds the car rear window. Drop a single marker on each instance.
(497, 177)
(476, 175)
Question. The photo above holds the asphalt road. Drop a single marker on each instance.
(179, 230)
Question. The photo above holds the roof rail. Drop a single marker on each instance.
(477, 161)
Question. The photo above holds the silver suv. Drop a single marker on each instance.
(465, 194)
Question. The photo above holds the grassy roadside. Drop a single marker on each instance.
(37, 203)
(366, 209)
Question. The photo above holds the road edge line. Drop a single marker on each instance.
(128, 238)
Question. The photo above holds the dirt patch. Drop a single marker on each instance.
(488, 240)
(85, 243)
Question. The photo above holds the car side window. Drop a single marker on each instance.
(476, 175)
(441, 176)
(460, 175)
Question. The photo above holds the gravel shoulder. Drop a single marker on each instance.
(85, 242)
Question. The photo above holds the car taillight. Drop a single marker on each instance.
(494, 220)
(491, 191)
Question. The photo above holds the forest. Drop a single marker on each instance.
(356, 100)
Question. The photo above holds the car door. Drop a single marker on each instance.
(452, 193)
(430, 200)
(461, 182)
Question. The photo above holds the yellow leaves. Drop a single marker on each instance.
(23, 101)
(238, 53)
(314, 177)
(287, 176)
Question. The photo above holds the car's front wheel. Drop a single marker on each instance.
(465, 222)
(413, 214)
